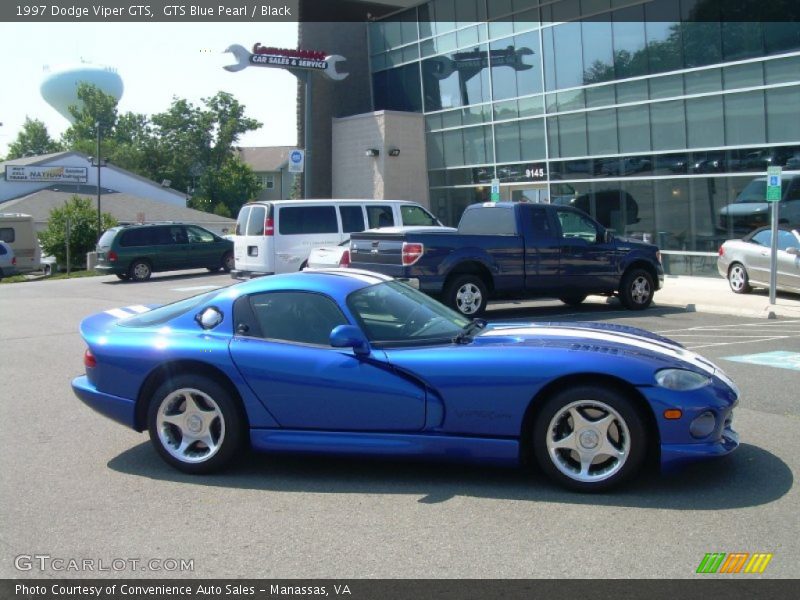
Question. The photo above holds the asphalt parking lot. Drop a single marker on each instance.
(76, 485)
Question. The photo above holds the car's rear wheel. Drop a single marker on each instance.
(467, 294)
(575, 300)
(123, 276)
(195, 424)
(637, 289)
(228, 262)
(140, 270)
(589, 438)
(738, 279)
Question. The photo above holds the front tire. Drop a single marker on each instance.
(195, 424)
(140, 270)
(637, 289)
(738, 279)
(228, 262)
(467, 294)
(576, 300)
(123, 276)
(589, 438)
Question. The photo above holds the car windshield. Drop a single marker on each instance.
(755, 192)
(395, 312)
(166, 313)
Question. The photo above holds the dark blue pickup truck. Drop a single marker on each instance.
(515, 250)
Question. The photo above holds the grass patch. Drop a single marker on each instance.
(29, 277)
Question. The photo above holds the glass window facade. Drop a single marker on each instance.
(648, 119)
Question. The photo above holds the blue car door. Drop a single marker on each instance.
(281, 349)
(587, 259)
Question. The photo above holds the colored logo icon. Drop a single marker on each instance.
(735, 562)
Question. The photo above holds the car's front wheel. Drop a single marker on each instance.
(467, 294)
(738, 279)
(573, 300)
(589, 438)
(637, 289)
(228, 262)
(140, 270)
(195, 424)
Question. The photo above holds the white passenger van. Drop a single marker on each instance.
(19, 232)
(277, 236)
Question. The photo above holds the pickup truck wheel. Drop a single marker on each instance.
(467, 294)
(573, 300)
(637, 289)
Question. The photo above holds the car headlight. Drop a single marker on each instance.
(681, 380)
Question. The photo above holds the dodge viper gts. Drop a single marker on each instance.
(351, 362)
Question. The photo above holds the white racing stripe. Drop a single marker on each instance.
(626, 339)
(138, 308)
(118, 312)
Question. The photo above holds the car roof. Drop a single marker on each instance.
(338, 283)
(791, 228)
(311, 201)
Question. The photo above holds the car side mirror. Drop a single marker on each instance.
(793, 250)
(350, 336)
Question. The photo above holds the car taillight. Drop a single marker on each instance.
(412, 253)
(269, 226)
(721, 251)
(345, 260)
(89, 361)
(14, 261)
(112, 256)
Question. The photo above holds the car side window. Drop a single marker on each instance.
(297, 317)
(786, 240)
(178, 234)
(415, 215)
(762, 238)
(199, 236)
(540, 225)
(577, 227)
(380, 216)
(352, 218)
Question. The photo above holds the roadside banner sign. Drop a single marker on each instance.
(773, 184)
(495, 190)
(297, 159)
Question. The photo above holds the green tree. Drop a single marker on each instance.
(83, 230)
(33, 140)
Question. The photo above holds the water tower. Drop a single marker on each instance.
(60, 85)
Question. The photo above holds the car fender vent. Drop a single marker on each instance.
(594, 348)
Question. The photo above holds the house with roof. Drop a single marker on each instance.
(270, 165)
(35, 185)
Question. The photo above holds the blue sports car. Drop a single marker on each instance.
(351, 362)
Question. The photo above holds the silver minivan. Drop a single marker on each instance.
(277, 236)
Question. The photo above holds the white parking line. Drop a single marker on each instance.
(708, 336)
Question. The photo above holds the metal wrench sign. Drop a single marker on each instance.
(285, 59)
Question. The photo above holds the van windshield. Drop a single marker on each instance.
(754, 192)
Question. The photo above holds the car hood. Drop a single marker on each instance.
(596, 338)
(744, 208)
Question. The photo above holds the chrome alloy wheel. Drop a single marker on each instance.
(141, 271)
(468, 299)
(588, 441)
(737, 278)
(640, 290)
(190, 425)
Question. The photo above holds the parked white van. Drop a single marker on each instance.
(19, 232)
(277, 236)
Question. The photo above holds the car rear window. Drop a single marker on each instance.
(166, 313)
(416, 215)
(493, 220)
(107, 238)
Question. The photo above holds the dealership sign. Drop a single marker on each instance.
(48, 174)
(283, 58)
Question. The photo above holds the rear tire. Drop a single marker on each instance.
(589, 438)
(140, 270)
(637, 289)
(228, 262)
(195, 424)
(467, 295)
(576, 300)
(738, 279)
(123, 276)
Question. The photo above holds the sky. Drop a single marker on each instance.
(156, 61)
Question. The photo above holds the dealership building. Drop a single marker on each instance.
(652, 115)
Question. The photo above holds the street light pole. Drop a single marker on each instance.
(97, 162)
